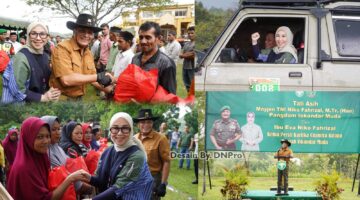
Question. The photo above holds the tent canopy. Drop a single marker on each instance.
(13, 24)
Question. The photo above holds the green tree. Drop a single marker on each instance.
(191, 120)
(209, 24)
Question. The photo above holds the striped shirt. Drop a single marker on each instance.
(11, 92)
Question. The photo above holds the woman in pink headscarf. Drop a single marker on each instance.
(10, 145)
(29, 174)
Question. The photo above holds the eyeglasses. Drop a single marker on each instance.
(34, 35)
(116, 129)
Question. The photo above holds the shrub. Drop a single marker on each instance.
(236, 180)
(327, 186)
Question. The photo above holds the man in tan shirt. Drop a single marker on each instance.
(283, 154)
(157, 149)
(73, 64)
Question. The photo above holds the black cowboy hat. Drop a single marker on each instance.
(84, 20)
(145, 114)
(287, 141)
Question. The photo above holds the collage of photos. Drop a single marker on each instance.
(124, 100)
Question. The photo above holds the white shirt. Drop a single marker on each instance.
(122, 60)
(162, 49)
(175, 136)
(251, 137)
(17, 45)
(95, 47)
(173, 50)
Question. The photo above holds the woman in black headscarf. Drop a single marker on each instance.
(71, 137)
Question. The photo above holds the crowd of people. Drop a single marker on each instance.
(134, 166)
(182, 143)
(42, 70)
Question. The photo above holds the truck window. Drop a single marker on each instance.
(347, 33)
(239, 48)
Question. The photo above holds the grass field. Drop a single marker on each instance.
(179, 183)
(260, 183)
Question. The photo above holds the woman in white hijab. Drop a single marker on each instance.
(283, 53)
(122, 172)
(32, 66)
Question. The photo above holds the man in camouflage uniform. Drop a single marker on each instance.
(225, 131)
(5, 45)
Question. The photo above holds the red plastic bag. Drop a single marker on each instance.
(91, 160)
(56, 177)
(103, 142)
(75, 164)
(136, 84)
(163, 96)
(4, 61)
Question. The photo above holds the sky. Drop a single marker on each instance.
(224, 4)
(19, 10)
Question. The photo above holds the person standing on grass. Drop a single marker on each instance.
(13, 39)
(10, 144)
(71, 138)
(73, 64)
(58, 39)
(185, 144)
(32, 69)
(6, 45)
(105, 46)
(283, 155)
(151, 57)
(175, 135)
(157, 150)
(125, 53)
(122, 172)
(28, 178)
(164, 130)
(96, 131)
(188, 55)
(95, 46)
(173, 47)
(195, 141)
(114, 34)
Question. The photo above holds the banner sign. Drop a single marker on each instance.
(319, 122)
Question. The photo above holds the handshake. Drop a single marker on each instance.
(105, 79)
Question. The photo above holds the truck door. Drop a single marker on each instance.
(341, 71)
(231, 65)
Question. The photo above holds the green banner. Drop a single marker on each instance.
(319, 122)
